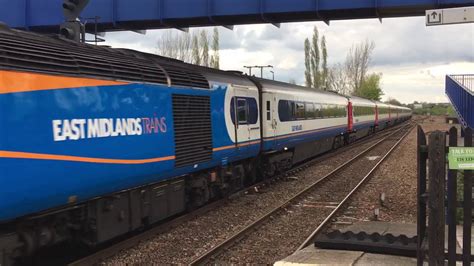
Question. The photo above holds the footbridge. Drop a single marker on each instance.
(460, 91)
(116, 15)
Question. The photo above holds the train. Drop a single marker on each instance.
(96, 142)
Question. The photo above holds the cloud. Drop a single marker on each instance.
(412, 57)
(423, 83)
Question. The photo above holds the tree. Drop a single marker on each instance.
(176, 46)
(315, 58)
(292, 81)
(215, 58)
(204, 45)
(393, 101)
(196, 55)
(337, 80)
(324, 66)
(307, 63)
(370, 87)
(357, 64)
(316, 72)
(190, 47)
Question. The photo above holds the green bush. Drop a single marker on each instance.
(435, 109)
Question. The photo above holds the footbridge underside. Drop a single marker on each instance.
(114, 15)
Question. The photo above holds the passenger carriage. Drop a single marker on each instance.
(364, 116)
(383, 117)
(302, 121)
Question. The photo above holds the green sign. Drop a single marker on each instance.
(461, 158)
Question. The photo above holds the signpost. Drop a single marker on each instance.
(460, 15)
(461, 158)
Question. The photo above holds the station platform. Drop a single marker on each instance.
(315, 256)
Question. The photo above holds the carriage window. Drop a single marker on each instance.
(252, 110)
(383, 110)
(341, 111)
(292, 110)
(333, 111)
(300, 112)
(310, 112)
(284, 111)
(268, 110)
(289, 110)
(361, 111)
(326, 110)
(318, 110)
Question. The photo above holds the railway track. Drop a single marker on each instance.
(251, 238)
(108, 252)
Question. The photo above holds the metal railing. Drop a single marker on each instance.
(465, 80)
(460, 90)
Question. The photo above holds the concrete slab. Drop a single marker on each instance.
(379, 259)
(401, 229)
(313, 256)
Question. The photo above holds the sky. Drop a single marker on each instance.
(413, 59)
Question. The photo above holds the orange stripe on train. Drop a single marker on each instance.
(55, 157)
(13, 81)
(235, 146)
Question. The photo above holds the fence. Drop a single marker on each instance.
(433, 186)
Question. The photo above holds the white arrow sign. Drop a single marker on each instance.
(449, 16)
(434, 17)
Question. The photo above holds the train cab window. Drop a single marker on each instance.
(242, 112)
(247, 110)
(268, 111)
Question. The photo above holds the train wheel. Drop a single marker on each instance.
(198, 192)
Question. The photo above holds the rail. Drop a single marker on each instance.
(207, 256)
(460, 91)
(101, 255)
(324, 224)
